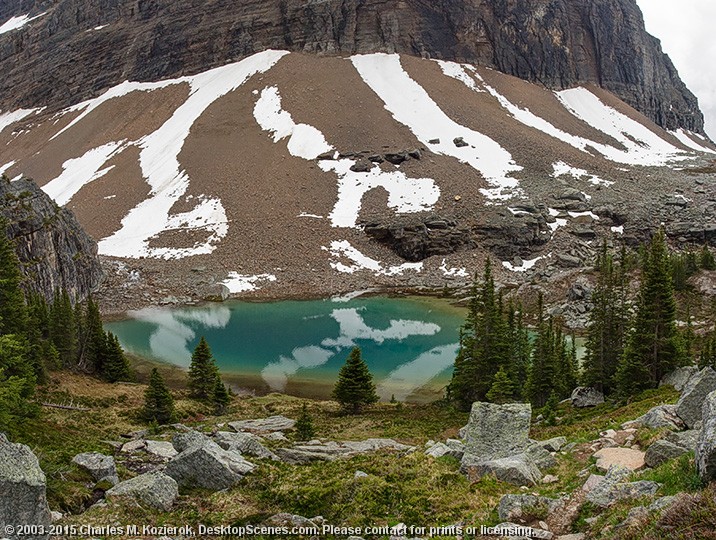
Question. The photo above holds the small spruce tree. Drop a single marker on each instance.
(158, 401)
(304, 425)
(355, 388)
(203, 372)
(502, 388)
(115, 366)
(13, 312)
(221, 397)
(549, 411)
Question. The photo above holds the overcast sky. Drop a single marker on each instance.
(685, 28)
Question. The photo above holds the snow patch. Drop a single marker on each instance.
(411, 105)
(305, 215)
(343, 249)
(559, 222)
(592, 215)
(561, 169)
(526, 265)
(238, 283)
(168, 181)
(6, 167)
(685, 139)
(78, 172)
(618, 230)
(18, 22)
(452, 272)
(9, 118)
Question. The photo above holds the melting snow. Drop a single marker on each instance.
(618, 230)
(687, 141)
(9, 118)
(411, 105)
(559, 222)
(343, 249)
(644, 147)
(162, 170)
(581, 214)
(81, 171)
(238, 283)
(18, 22)
(526, 265)
(452, 272)
(6, 167)
(314, 216)
(405, 195)
(561, 169)
(305, 141)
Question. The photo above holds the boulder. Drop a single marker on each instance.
(584, 396)
(362, 166)
(518, 470)
(497, 431)
(513, 531)
(526, 507)
(706, 445)
(592, 482)
(101, 467)
(661, 416)
(294, 456)
(679, 378)
(291, 521)
(396, 158)
(133, 446)
(686, 439)
(439, 450)
(553, 445)
(623, 457)
(205, 464)
(188, 439)
(23, 499)
(162, 449)
(541, 457)
(614, 488)
(329, 451)
(662, 451)
(154, 489)
(245, 443)
(264, 425)
(690, 404)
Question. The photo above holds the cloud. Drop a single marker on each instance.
(685, 29)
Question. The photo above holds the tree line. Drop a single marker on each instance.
(631, 343)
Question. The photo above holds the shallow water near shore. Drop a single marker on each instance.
(298, 347)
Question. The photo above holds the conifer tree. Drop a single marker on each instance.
(654, 347)
(541, 376)
(97, 347)
(706, 259)
(17, 382)
(502, 390)
(13, 312)
(115, 366)
(221, 397)
(304, 425)
(158, 401)
(63, 329)
(707, 358)
(549, 411)
(355, 388)
(203, 371)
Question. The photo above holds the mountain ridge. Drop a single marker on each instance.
(78, 48)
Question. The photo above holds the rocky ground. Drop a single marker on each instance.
(602, 472)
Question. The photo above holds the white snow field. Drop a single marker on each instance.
(17, 22)
(237, 283)
(10, 117)
(343, 249)
(411, 105)
(685, 137)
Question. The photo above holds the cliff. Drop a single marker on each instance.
(52, 247)
(81, 47)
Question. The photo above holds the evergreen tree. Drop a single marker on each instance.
(654, 347)
(607, 323)
(115, 366)
(542, 371)
(13, 312)
(96, 348)
(502, 390)
(706, 259)
(17, 383)
(63, 329)
(158, 401)
(203, 371)
(707, 358)
(221, 397)
(549, 411)
(304, 425)
(355, 388)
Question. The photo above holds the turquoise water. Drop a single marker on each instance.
(298, 347)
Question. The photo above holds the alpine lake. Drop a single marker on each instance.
(298, 347)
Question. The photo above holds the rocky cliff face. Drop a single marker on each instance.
(54, 250)
(80, 47)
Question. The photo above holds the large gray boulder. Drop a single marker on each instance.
(23, 499)
(686, 439)
(264, 425)
(662, 451)
(154, 489)
(203, 463)
(585, 396)
(517, 470)
(331, 450)
(497, 431)
(706, 445)
(661, 416)
(554, 444)
(541, 457)
(614, 487)
(101, 467)
(526, 507)
(680, 377)
(245, 443)
(690, 404)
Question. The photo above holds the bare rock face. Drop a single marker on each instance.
(23, 498)
(560, 43)
(54, 251)
(706, 445)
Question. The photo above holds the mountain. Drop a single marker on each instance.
(69, 50)
(296, 173)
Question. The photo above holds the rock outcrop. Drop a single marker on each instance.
(689, 406)
(263, 425)
(613, 488)
(661, 416)
(303, 454)
(706, 445)
(101, 467)
(559, 44)
(155, 489)
(662, 451)
(23, 499)
(680, 377)
(584, 396)
(53, 249)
